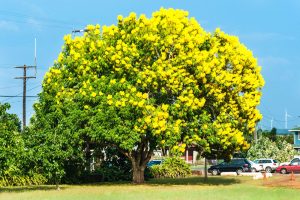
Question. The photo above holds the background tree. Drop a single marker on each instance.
(272, 135)
(162, 81)
(266, 148)
(12, 146)
(54, 143)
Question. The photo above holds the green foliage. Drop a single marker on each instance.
(114, 166)
(269, 134)
(11, 143)
(54, 144)
(265, 148)
(146, 83)
(22, 180)
(172, 167)
(288, 138)
(14, 156)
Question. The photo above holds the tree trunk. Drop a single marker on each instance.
(205, 169)
(138, 174)
(57, 185)
(139, 162)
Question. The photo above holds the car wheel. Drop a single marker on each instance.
(253, 170)
(283, 171)
(214, 172)
(268, 169)
(239, 171)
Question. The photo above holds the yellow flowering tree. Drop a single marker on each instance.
(160, 81)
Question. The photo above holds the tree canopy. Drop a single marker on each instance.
(160, 81)
(12, 146)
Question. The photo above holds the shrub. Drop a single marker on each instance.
(114, 166)
(22, 180)
(265, 148)
(172, 167)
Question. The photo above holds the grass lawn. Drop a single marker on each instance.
(216, 188)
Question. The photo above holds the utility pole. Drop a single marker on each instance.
(24, 77)
(272, 123)
(286, 118)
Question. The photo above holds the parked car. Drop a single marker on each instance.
(287, 163)
(294, 166)
(237, 165)
(255, 167)
(269, 165)
(154, 162)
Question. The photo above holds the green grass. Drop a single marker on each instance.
(220, 188)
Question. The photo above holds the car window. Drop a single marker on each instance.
(295, 161)
(275, 161)
(265, 161)
(237, 161)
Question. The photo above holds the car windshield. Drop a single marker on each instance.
(251, 162)
(255, 161)
(223, 163)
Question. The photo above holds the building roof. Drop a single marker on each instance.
(296, 129)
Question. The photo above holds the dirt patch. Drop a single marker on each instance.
(287, 181)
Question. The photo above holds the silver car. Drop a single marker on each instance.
(255, 167)
(269, 165)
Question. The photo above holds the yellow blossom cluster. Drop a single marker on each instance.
(166, 70)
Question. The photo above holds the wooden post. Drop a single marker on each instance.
(187, 155)
(265, 175)
(293, 178)
(205, 169)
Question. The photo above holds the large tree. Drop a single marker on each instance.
(160, 81)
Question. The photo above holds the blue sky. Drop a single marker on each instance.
(270, 28)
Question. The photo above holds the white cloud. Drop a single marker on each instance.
(8, 26)
(34, 23)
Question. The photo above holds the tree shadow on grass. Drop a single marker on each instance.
(194, 181)
(30, 188)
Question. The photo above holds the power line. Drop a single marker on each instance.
(39, 21)
(14, 86)
(21, 101)
(18, 95)
(11, 96)
(22, 15)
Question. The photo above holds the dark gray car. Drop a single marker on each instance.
(237, 165)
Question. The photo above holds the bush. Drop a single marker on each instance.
(172, 167)
(265, 148)
(114, 166)
(22, 180)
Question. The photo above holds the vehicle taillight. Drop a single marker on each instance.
(245, 165)
(274, 164)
